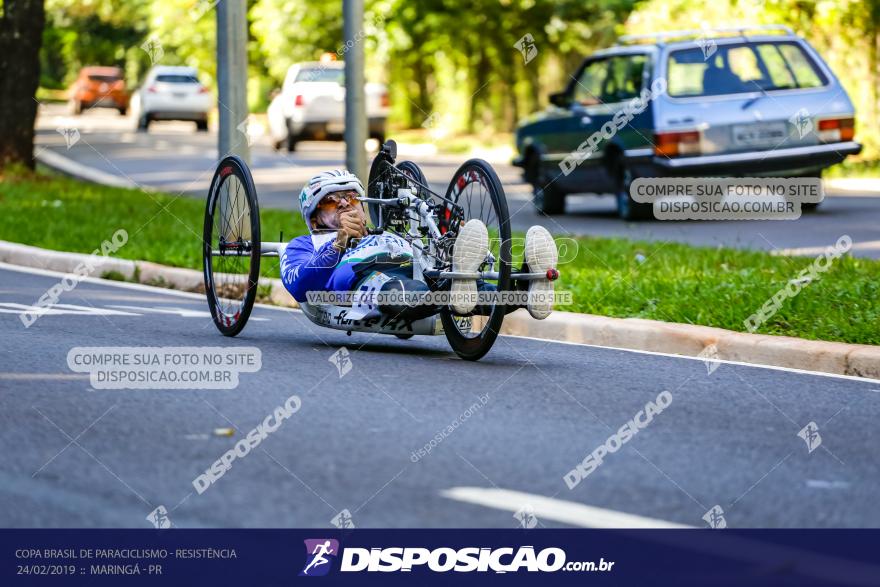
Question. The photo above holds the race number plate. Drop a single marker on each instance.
(463, 323)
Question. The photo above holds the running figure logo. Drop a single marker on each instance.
(318, 553)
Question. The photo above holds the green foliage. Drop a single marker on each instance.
(64, 214)
(91, 32)
(453, 61)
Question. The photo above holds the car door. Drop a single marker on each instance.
(627, 76)
(602, 88)
(574, 124)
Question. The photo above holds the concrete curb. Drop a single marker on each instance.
(860, 185)
(140, 271)
(628, 333)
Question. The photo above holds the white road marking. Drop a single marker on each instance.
(558, 510)
(126, 285)
(42, 376)
(811, 251)
(201, 297)
(822, 484)
(828, 568)
(702, 359)
(182, 312)
(59, 309)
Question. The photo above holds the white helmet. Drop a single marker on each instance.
(328, 182)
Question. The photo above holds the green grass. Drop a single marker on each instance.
(722, 287)
(58, 213)
(858, 168)
(607, 276)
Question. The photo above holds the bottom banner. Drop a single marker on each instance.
(436, 557)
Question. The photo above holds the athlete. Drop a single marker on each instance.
(340, 255)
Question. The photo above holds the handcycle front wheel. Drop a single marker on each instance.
(475, 187)
(231, 245)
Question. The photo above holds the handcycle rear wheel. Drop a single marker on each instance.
(476, 188)
(231, 246)
(415, 173)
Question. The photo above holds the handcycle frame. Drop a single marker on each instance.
(401, 203)
(421, 223)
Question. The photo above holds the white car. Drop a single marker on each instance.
(311, 105)
(171, 93)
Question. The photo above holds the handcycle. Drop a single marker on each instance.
(400, 201)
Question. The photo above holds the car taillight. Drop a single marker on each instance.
(203, 90)
(673, 144)
(299, 100)
(833, 130)
(385, 101)
(152, 89)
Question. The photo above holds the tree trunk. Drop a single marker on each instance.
(422, 107)
(511, 78)
(21, 34)
(480, 79)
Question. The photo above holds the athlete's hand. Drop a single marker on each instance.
(351, 226)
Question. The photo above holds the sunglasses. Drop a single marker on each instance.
(333, 200)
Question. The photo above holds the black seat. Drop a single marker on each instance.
(720, 80)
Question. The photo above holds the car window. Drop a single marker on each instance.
(104, 78)
(777, 67)
(588, 87)
(741, 67)
(318, 74)
(805, 72)
(624, 78)
(176, 78)
(744, 64)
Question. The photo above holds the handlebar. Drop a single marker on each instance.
(380, 201)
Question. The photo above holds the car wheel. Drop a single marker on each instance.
(627, 208)
(291, 143)
(143, 124)
(122, 111)
(202, 125)
(811, 206)
(291, 138)
(547, 197)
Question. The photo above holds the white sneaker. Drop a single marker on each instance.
(468, 253)
(541, 256)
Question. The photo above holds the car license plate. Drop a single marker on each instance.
(335, 127)
(767, 134)
(179, 95)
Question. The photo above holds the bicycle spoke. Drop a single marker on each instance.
(231, 219)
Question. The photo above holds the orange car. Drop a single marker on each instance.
(99, 86)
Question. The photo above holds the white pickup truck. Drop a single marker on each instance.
(311, 105)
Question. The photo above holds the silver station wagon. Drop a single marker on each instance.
(726, 102)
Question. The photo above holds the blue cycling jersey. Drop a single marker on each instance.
(310, 263)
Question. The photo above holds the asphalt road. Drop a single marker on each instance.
(728, 438)
(175, 158)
